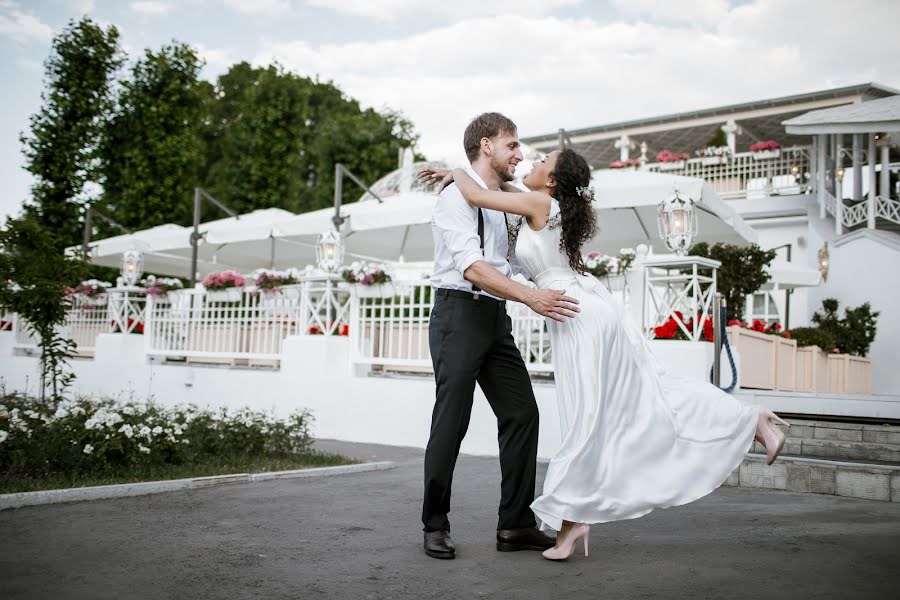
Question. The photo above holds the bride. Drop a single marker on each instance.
(634, 437)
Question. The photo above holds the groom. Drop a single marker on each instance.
(471, 341)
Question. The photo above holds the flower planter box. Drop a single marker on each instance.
(785, 363)
(759, 355)
(765, 154)
(812, 370)
(713, 160)
(673, 165)
(849, 374)
(226, 295)
(378, 290)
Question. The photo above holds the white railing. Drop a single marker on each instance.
(120, 310)
(855, 214)
(747, 174)
(680, 287)
(887, 208)
(389, 328)
(244, 326)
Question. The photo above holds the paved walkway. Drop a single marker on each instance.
(358, 536)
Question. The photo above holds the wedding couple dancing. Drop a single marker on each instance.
(634, 437)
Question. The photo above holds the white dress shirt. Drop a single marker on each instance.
(454, 225)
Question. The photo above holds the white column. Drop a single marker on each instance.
(884, 189)
(838, 207)
(624, 145)
(637, 286)
(857, 166)
(821, 141)
(730, 128)
(870, 208)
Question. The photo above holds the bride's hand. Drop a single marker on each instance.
(432, 175)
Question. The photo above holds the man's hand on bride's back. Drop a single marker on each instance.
(434, 175)
(553, 303)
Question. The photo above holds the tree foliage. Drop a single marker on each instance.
(854, 333)
(61, 150)
(743, 272)
(152, 152)
(275, 138)
(33, 277)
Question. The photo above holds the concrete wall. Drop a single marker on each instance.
(864, 267)
(316, 374)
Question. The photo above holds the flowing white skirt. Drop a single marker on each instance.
(634, 437)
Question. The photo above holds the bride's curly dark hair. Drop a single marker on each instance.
(579, 223)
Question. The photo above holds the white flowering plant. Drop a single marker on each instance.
(160, 286)
(602, 265)
(365, 274)
(90, 288)
(100, 437)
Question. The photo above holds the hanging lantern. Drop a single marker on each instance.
(677, 219)
(132, 267)
(330, 251)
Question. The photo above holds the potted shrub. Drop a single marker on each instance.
(225, 286)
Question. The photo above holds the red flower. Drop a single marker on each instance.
(314, 330)
(787, 334)
(759, 326)
(735, 322)
(708, 329)
(345, 329)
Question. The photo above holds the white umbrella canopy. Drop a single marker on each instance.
(397, 229)
(241, 243)
(626, 204)
(108, 252)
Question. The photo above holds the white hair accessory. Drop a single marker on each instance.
(586, 193)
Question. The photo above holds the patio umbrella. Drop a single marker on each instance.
(626, 204)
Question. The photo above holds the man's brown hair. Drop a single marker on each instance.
(485, 125)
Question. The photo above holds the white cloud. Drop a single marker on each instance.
(548, 73)
(266, 8)
(21, 26)
(85, 6)
(390, 10)
(218, 60)
(151, 7)
(683, 11)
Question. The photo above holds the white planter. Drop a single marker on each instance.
(812, 370)
(226, 295)
(766, 154)
(670, 166)
(758, 357)
(849, 374)
(614, 283)
(714, 160)
(379, 290)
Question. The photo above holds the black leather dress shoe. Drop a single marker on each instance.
(439, 545)
(527, 538)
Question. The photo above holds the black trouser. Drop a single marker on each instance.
(471, 340)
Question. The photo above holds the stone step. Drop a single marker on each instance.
(810, 475)
(841, 441)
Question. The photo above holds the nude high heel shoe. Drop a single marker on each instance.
(769, 435)
(564, 548)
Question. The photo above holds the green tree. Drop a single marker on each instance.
(854, 333)
(276, 136)
(61, 151)
(33, 276)
(743, 272)
(152, 152)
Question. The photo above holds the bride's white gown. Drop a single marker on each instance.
(634, 437)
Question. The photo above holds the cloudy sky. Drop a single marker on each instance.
(546, 63)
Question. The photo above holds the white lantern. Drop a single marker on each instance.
(132, 266)
(330, 251)
(677, 222)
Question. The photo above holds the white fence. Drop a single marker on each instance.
(120, 310)
(387, 324)
(244, 326)
(747, 174)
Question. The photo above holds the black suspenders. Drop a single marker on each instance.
(481, 239)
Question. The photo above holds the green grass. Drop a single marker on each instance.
(240, 464)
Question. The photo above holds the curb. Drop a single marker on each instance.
(124, 490)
